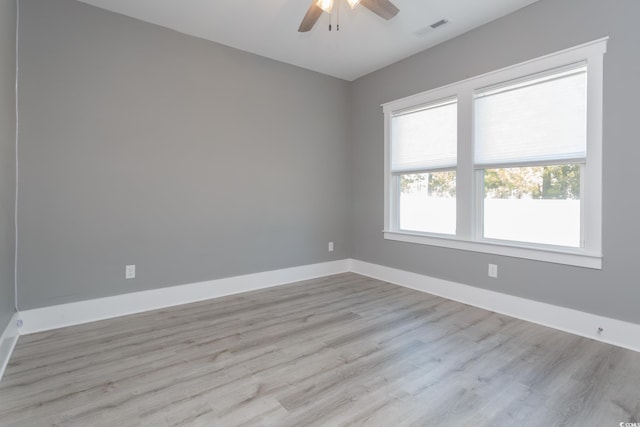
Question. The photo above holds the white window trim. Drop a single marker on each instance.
(467, 237)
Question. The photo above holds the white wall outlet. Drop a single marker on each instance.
(130, 272)
(330, 246)
(493, 270)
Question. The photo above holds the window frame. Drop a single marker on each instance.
(468, 195)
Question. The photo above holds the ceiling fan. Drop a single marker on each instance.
(383, 8)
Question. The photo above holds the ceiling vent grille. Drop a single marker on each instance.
(440, 23)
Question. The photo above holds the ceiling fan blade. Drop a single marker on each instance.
(310, 18)
(383, 8)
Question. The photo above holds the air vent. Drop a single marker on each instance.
(440, 23)
(424, 31)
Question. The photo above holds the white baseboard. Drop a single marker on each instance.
(616, 332)
(8, 341)
(75, 313)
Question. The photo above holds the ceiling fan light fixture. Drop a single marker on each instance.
(383, 8)
(326, 5)
(353, 3)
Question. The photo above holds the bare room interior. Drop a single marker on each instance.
(319, 213)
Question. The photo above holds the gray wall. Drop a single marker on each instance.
(192, 160)
(544, 27)
(7, 158)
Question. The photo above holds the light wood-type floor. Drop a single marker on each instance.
(340, 350)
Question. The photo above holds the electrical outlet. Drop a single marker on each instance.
(493, 270)
(330, 246)
(130, 272)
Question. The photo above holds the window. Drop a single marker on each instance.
(423, 163)
(507, 163)
(540, 125)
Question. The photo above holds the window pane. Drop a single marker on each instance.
(538, 120)
(425, 139)
(428, 202)
(539, 204)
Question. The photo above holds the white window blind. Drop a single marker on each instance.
(535, 120)
(425, 138)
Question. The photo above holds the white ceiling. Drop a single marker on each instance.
(364, 43)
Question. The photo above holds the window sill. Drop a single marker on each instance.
(564, 256)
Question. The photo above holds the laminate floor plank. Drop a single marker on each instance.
(342, 350)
